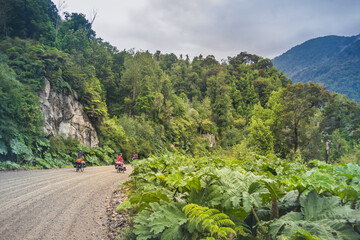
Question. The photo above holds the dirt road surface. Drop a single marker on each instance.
(56, 204)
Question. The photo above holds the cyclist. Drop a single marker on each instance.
(133, 156)
(79, 159)
(80, 154)
(119, 159)
(119, 162)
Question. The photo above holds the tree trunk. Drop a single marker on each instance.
(295, 138)
(327, 151)
(274, 209)
(353, 204)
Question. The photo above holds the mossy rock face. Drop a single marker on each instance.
(65, 116)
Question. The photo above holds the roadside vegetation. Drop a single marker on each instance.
(245, 197)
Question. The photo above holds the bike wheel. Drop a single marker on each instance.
(77, 167)
(82, 167)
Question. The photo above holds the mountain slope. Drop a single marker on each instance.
(333, 61)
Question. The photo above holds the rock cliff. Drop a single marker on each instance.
(65, 116)
(212, 140)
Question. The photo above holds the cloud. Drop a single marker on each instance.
(221, 27)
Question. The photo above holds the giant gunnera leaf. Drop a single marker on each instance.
(163, 222)
(323, 217)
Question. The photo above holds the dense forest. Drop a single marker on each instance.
(333, 61)
(234, 149)
(154, 102)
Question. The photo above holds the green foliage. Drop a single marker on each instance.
(9, 165)
(210, 96)
(224, 198)
(303, 234)
(260, 136)
(323, 217)
(163, 221)
(310, 180)
(35, 19)
(3, 148)
(205, 220)
(350, 171)
(20, 118)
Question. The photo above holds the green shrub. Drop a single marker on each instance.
(8, 165)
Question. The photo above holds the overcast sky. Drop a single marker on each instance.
(221, 28)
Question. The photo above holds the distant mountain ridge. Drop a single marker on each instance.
(333, 61)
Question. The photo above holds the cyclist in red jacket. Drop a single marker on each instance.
(119, 159)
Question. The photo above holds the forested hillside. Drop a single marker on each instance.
(154, 102)
(333, 61)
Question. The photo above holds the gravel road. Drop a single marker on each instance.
(56, 204)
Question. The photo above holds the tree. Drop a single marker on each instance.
(260, 136)
(141, 81)
(243, 57)
(77, 21)
(34, 19)
(300, 101)
(221, 105)
(20, 116)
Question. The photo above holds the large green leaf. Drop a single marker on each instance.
(323, 217)
(166, 216)
(143, 199)
(3, 148)
(18, 147)
(350, 171)
(142, 228)
(163, 221)
(209, 195)
(318, 180)
(313, 207)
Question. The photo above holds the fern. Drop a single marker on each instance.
(241, 190)
(209, 221)
(233, 185)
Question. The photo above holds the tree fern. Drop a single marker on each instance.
(209, 221)
(241, 190)
(233, 185)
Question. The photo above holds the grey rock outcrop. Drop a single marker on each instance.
(65, 116)
(211, 138)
